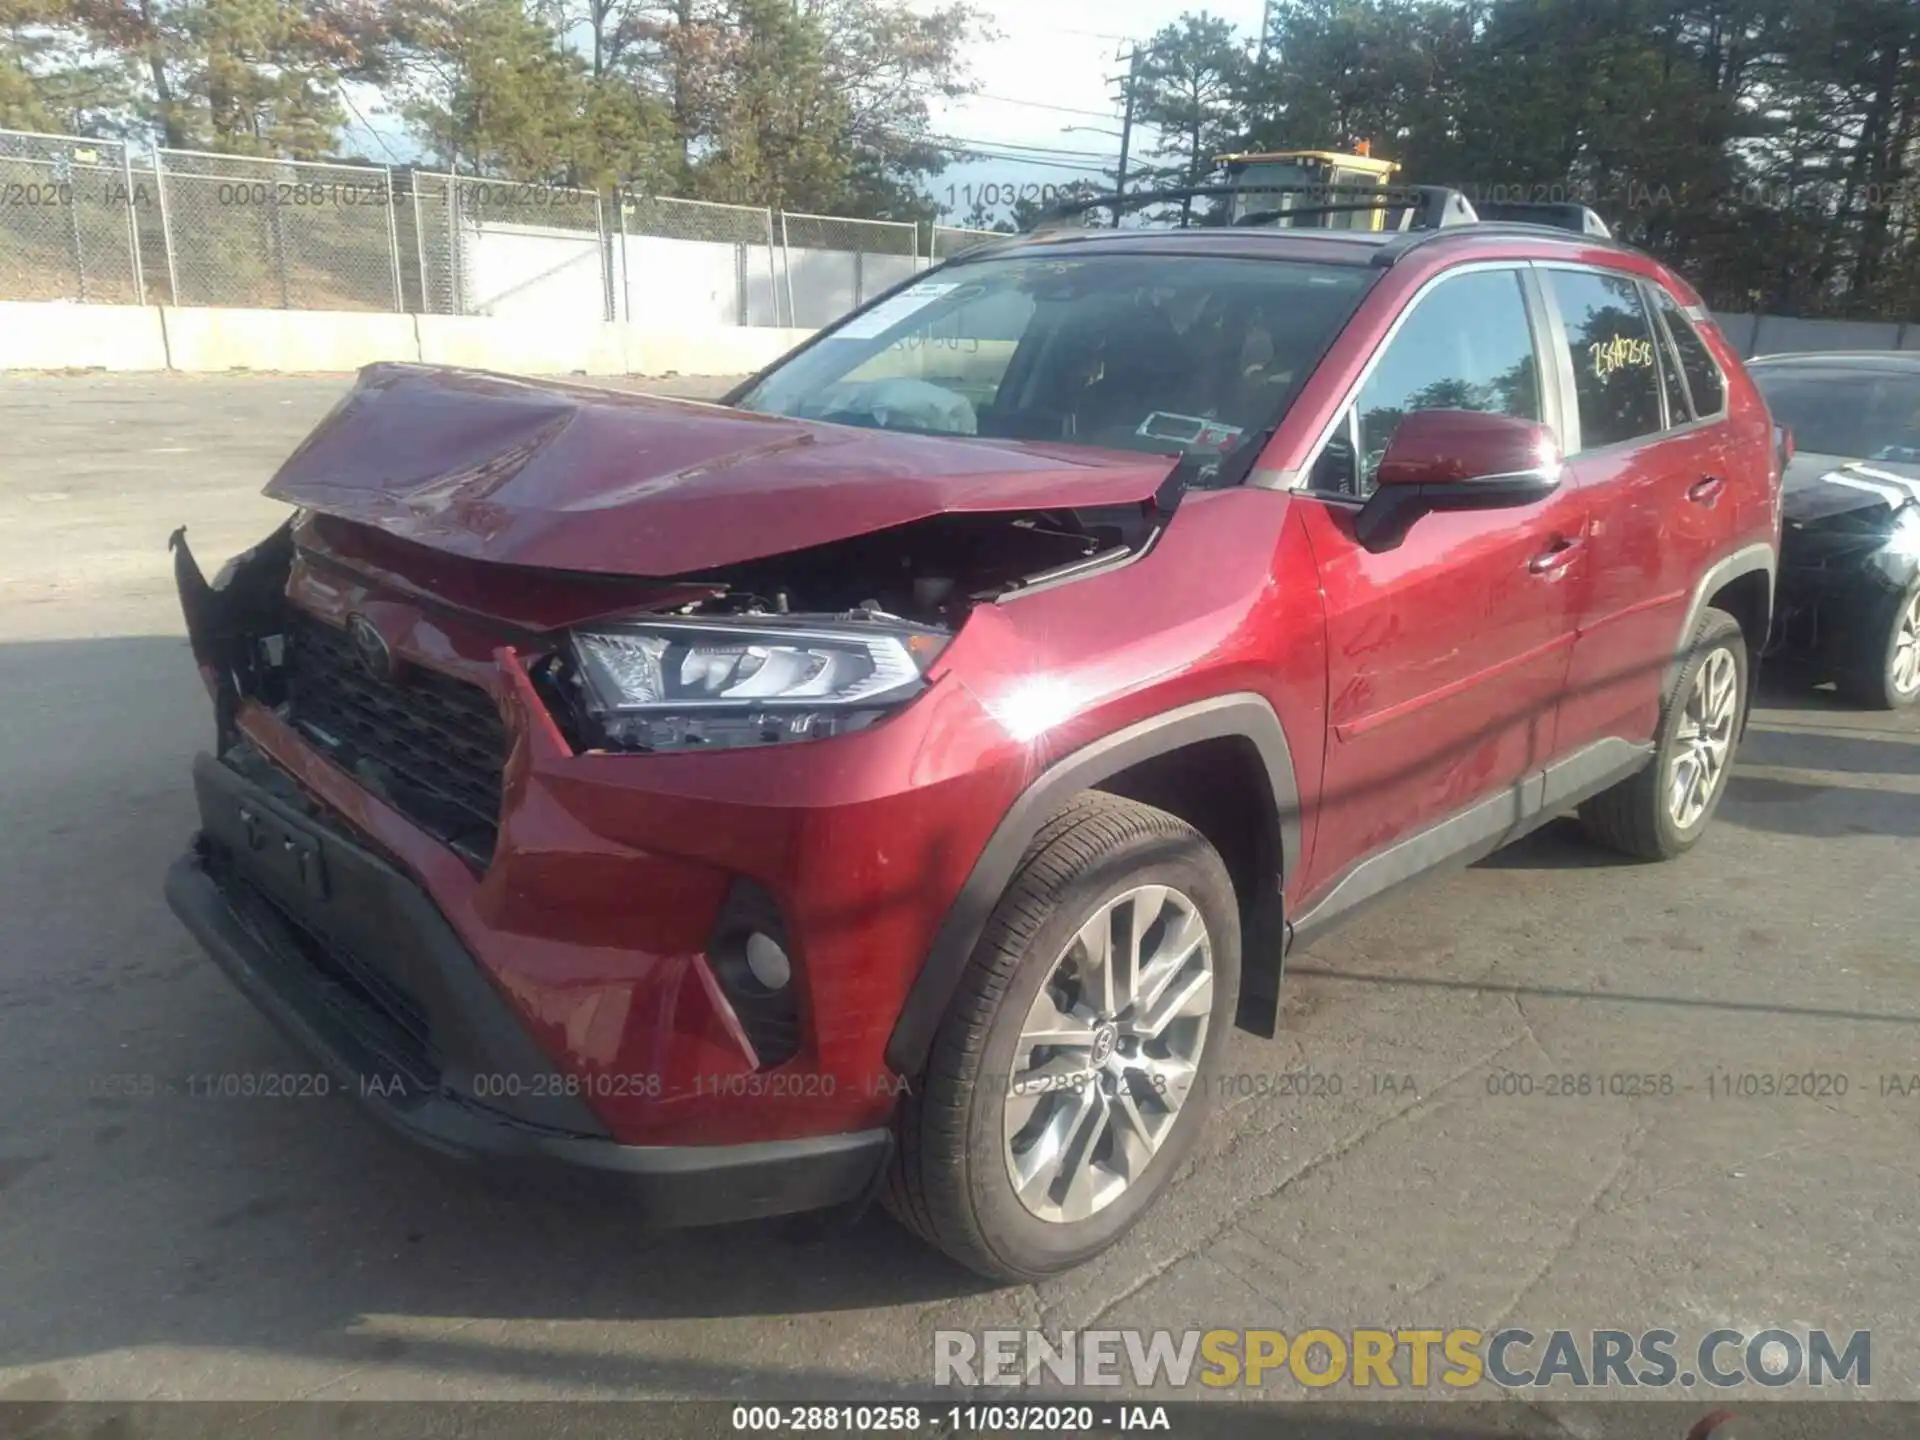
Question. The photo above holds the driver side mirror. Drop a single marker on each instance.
(1456, 460)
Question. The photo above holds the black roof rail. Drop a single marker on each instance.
(1060, 215)
(1427, 207)
(1394, 250)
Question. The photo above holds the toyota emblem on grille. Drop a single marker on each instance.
(371, 646)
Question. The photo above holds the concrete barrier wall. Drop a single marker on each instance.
(1754, 335)
(1781, 335)
(551, 347)
(52, 335)
(220, 339)
(1738, 329)
(59, 336)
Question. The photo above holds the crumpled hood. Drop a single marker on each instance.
(1817, 486)
(571, 477)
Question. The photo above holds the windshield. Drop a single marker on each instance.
(1193, 357)
(1861, 414)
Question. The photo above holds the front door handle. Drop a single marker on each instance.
(1706, 490)
(1554, 558)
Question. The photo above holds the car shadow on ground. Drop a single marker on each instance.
(1558, 845)
(1868, 744)
(1850, 751)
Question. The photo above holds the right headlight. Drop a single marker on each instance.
(687, 684)
(1903, 540)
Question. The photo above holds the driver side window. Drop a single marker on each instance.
(1468, 345)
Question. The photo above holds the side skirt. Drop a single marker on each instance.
(1471, 834)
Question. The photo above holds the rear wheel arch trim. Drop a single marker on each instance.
(1243, 716)
(1760, 559)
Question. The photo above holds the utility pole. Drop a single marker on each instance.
(1260, 62)
(1126, 129)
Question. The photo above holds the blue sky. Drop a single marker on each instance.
(1047, 91)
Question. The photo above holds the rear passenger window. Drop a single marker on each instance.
(1696, 361)
(1616, 369)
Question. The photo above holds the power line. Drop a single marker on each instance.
(1042, 105)
(1049, 151)
(1079, 169)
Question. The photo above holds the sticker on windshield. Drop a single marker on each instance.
(1188, 430)
(889, 313)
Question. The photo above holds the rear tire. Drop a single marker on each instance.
(1662, 810)
(1877, 660)
(965, 1128)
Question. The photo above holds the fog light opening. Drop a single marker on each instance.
(767, 961)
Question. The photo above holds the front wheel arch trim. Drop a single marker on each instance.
(1245, 716)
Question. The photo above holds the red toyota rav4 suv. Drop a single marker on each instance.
(898, 778)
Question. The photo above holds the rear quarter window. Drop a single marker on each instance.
(1704, 380)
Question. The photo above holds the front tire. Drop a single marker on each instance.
(1878, 659)
(1662, 810)
(1071, 1075)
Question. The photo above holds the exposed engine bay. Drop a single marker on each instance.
(933, 571)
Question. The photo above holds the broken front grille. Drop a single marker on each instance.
(431, 746)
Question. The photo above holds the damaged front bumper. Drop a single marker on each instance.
(1837, 566)
(354, 963)
(565, 992)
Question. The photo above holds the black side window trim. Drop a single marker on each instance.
(1670, 366)
(1659, 293)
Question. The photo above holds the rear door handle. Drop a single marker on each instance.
(1706, 490)
(1555, 557)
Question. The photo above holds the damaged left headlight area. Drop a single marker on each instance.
(682, 684)
(236, 624)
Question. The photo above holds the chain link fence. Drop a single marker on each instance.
(535, 251)
(426, 224)
(67, 220)
(830, 264)
(278, 234)
(722, 259)
(86, 220)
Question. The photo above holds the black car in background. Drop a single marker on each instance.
(1849, 587)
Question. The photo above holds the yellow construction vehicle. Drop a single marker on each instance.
(1316, 182)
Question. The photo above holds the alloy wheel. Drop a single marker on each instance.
(1108, 1052)
(1903, 670)
(1703, 744)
